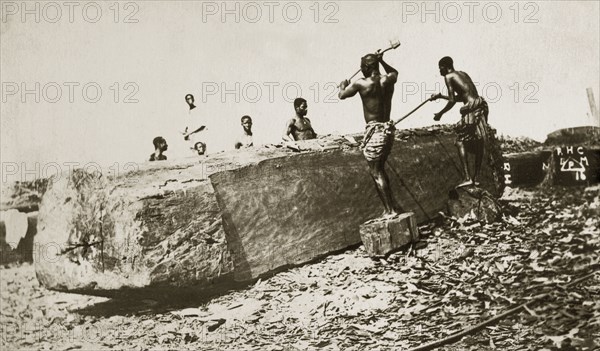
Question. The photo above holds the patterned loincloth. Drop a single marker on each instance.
(378, 140)
(473, 124)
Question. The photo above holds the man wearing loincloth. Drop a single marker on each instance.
(376, 92)
(299, 127)
(472, 132)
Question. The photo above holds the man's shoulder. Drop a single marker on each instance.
(361, 82)
(459, 75)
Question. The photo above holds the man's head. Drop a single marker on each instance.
(301, 107)
(369, 64)
(160, 143)
(189, 98)
(446, 65)
(247, 124)
(200, 148)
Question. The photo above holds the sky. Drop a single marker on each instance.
(110, 76)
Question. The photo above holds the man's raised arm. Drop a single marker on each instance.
(347, 90)
(392, 73)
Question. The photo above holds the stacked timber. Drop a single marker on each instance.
(231, 217)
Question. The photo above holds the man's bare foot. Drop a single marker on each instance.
(476, 183)
(465, 183)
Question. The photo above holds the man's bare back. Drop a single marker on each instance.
(376, 94)
(376, 91)
(463, 87)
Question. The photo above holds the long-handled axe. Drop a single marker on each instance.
(413, 111)
(394, 44)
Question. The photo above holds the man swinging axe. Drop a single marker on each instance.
(376, 92)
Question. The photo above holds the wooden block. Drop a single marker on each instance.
(474, 203)
(384, 235)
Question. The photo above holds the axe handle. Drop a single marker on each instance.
(381, 53)
(411, 112)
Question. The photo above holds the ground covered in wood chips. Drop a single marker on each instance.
(459, 275)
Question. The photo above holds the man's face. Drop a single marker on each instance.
(200, 150)
(443, 70)
(302, 110)
(189, 99)
(247, 124)
(164, 146)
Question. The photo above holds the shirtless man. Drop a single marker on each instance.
(245, 140)
(472, 129)
(160, 146)
(299, 127)
(376, 92)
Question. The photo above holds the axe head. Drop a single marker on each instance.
(394, 44)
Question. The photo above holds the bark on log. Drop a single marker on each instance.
(232, 216)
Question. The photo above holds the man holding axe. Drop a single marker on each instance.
(472, 129)
(376, 92)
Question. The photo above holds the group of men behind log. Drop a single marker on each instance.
(376, 91)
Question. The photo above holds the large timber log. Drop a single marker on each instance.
(230, 217)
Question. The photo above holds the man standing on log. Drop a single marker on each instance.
(472, 130)
(376, 92)
(299, 127)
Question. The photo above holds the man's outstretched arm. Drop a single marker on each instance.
(450, 98)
